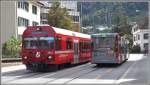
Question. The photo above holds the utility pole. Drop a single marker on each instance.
(81, 17)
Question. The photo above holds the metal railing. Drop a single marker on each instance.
(5, 60)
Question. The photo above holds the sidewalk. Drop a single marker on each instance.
(8, 64)
(13, 68)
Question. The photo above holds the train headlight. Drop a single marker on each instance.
(49, 57)
(25, 57)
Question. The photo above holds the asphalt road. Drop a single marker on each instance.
(133, 72)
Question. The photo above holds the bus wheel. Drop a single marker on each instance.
(98, 65)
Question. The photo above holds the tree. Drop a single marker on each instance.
(59, 17)
(106, 30)
(121, 21)
(143, 24)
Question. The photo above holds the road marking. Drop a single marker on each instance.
(109, 70)
(125, 74)
(98, 77)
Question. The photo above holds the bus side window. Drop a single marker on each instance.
(58, 43)
(68, 44)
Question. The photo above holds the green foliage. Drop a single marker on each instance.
(11, 47)
(104, 11)
(106, 31)
(59, 17)
(136, 49)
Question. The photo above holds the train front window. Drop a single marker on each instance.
(40, 42)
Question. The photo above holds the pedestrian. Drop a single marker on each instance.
(146, 51)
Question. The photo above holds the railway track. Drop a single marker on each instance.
(84, 73)
(59, 74)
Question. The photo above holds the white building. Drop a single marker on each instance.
(140, 36)
(28, 14)
(16, 15)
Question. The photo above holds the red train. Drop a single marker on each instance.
(47, 46)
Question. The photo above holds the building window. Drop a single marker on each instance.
(34, 23)
(23, 5)
(75, 18)
(34, 9)
(44, 16)
(44, 22)
(145, 45)
(138, 37)
(145, 36)
(19, 3)
(134, 38)
(134, 29)
(23, 21)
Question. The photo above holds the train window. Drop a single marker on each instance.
(58, 43)
(68, 44)
(42, 43)
(46, 44)
(33, 44)
(84, 46)
(80, 46)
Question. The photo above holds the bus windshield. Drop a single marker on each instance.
(38, 42)
(103, 42)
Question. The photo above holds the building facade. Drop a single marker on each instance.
(16, 16)
(8, 20)
(140, 37)
(71, 7)
(28, 14)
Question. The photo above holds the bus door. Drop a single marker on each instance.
(76, 49)
(123, 49)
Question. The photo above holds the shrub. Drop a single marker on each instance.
(11, 48)
(136, 49)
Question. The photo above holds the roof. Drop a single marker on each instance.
(70, 33)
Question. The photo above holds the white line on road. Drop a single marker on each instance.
(125, 74)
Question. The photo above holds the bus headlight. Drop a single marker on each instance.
(49, 57)
(25, 57)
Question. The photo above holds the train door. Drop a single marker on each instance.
(76, 49)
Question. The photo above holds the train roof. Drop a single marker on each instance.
(70, 33)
